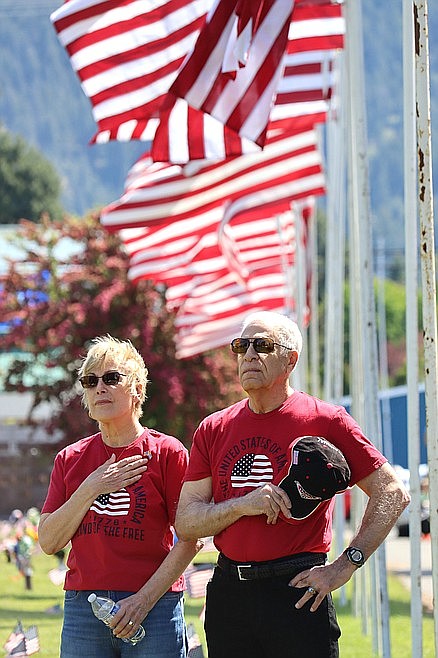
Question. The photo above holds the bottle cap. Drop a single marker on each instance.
(92, 598)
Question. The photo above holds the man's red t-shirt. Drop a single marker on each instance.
(227, 445)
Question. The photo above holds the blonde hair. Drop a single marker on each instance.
(124, 354)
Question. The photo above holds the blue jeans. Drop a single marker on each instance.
(85, 636)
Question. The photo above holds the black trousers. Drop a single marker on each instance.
(258, 619)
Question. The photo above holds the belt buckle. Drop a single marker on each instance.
(239, 572)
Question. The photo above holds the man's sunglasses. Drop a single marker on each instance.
(261, 345)
(111, 378)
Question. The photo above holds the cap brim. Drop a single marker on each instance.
(301, 507)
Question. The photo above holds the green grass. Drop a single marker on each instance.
(30, 607)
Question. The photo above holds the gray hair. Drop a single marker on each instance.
(124, 354)
(285, 330)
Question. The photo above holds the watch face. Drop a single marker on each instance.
(355, 556)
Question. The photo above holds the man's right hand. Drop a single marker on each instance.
(269, 500)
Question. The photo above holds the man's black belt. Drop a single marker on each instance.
(272, 568)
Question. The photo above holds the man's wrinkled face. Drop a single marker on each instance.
(259, 371)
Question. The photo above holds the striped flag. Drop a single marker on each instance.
(197, 578)
(251, 470)
(215, 308)
(290, 165)
(255, 240)
(19, 650)
(194, 643)
(139, 60)
(16, 636)
(32, 640)
(213, 279)
(21, 642)
(189, 128)
(115, 503)
(316, 25)
(126, 54)
(241, 101)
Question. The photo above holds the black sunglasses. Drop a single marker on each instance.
(261, 345)
(110, 378)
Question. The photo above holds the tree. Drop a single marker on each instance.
(72, 286)
(29, 185)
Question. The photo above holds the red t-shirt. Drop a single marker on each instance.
(126, 535)
(227, 442)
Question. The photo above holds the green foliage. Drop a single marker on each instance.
(395, 317)
(29, 185)
(395, 307)
(73, 286)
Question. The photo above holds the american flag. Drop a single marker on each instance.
(251, 471)
(290, 166)
(115, 503)
(195, 646)
(241, 101)
(149, 63)
(201, 268)
(316, 25)
(209, 299)
(126, 54)
(187, 128)
(197, 577)
(15, 637)
(57, 575)
(21, 642)
(18, 650)
(32, 640)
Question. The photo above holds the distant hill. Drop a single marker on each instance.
(41, 99)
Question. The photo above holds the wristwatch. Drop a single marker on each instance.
(355, 556)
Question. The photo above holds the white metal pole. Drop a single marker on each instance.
(411, 276)
(427, 259)
(383, 349)
(334, 289)
(361, 223)
(298, 376)
(313, 298)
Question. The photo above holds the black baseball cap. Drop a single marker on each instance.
(315, 471)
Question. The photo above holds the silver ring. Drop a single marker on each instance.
(312, 590)
(130, 622)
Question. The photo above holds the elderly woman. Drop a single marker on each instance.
(114, 496)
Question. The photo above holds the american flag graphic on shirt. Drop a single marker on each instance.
(251, 471)
(115, 503)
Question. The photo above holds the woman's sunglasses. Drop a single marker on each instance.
(111, 378)
(261, 345)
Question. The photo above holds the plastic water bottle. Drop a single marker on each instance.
(105, 609)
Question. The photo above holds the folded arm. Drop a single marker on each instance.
(199, 516)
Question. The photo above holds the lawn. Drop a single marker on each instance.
(33, 607)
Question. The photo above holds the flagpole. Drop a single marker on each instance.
(383, 350)
(427, 252)
(411, 277)
(313, 305)
(334, 276)
(300, 286)
(360, 223)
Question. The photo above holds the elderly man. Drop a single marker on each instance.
(262, 477)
